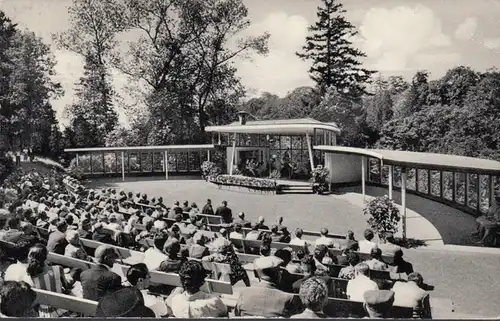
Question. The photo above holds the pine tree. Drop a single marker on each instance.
(95, 104)
(335, 61)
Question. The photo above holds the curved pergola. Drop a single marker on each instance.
(430, 161)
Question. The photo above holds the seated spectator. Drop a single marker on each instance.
(220, 240)
(123, 302)
(98, 280)
(160, 225)
(85, 229)
(378, 303)
(279, 222)
(348, 272)
(324, 239)
(321, 258)
(75, 248)
(189, 301)
(198, 250)
(361, 283)
(366, 245)
(172, 263)
(376, 262)
(225, 213)
(154, 256)
(160, 202)
(350, 242)
(284, 282)
(43, 220)
(194, 208)
(53, 220)
(340, 259)
(17, 300)
(285, 236)
(297, 240)
(401, 265)
(264, 299)
(114, 224)
(227, 255)
(295, 267)
(13, 234)
(237, 234)
(175, 232)
(18, 271)
(260, 223)
(389, 248)
(265, 250)
(176, 209)
(50, 278)
(138, 276)
(57, 239)
(241, 220)
(314, 296)
(147, 233)
(101, 235)
(144, 200)
(186, 208)
(275, 235)
(410, 294)
(254, 234)
(207, 208)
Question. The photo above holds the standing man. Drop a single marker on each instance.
(208, 209)
(225, 213)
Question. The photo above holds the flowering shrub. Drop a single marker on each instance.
(243, 181)
(210, 169)
(384, 216)
(319, 179)
(75, 171)
(275, 174)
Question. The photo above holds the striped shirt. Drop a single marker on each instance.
(51, 279)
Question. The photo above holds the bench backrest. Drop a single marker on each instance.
(343, 308)
(69, 261)
(66, 302)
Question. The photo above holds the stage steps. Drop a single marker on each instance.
(295, 189)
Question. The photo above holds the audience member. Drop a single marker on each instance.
(264, 299)
(13, 234)
(313, 294)
(402, 266)
(75, 248)
(125, 302)
(241, 220)
(237, 234)
(378, 303)
(154, 256)
(297, 240)
(350, 242)
(225, 213)
(227, 255)
(189, 301)
(260, 223)
(207, 208)
(361, 283)
(17, 300)
(98, 280)
(410, 294)
(254, 234)
(198, 250)
(348, 272)
(376, 262)
(324, 239)
(366, 245)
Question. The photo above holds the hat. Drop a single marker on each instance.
(378, 302)
(124, 302)
(267, 262)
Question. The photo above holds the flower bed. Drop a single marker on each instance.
(243, 181)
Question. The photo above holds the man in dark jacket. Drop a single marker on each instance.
(208, 209)
(98, 280)
(57, 239)
(225, 213)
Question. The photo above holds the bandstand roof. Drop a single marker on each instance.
(421, 160)
(173, 148)
(281, 126)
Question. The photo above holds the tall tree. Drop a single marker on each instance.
(31, 66)
(92, 35)
(335, 61)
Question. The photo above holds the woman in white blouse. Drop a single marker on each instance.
(189, 301)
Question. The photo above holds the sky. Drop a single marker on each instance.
(399, 37)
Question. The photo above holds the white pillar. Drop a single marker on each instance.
(309, 148)
(208, 155)
(403, 199)
(166, 164)
(391, 173)
(233, 153)
(363, 176)
(77, 159)
(123, 166)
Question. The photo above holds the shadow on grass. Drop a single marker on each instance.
(408, 243)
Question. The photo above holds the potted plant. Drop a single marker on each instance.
(319, 179)
(384, 216)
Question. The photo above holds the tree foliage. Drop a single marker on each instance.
(335, 60)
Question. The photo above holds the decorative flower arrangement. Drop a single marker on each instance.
(384, 216)
(209, 169)
(243, 181)
(319, 179)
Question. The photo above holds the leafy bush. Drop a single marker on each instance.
(319, 179)
(384, 216)
(75, 171)
(275, 174)
(210, 169)
(7, 166)
(243, 181)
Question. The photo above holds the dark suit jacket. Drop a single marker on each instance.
(97, 280)
(262, 299)
(226, 214)
(207, 209)
(57, 242)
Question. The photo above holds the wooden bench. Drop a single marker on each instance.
(344, 308)
(67, 302)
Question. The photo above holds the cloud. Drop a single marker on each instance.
(466, 29)
(281, 70)
(393, 38)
